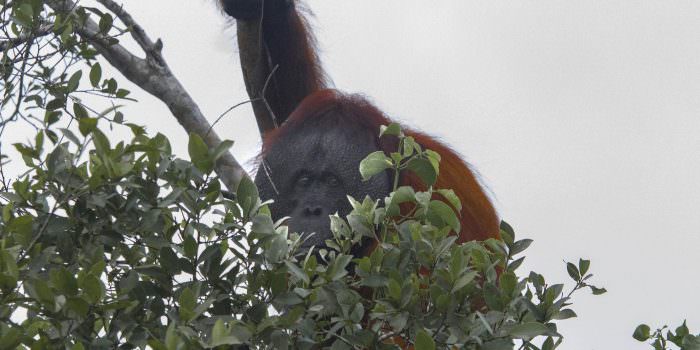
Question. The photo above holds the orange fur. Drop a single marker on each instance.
(478, 219)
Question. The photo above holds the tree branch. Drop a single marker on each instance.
(153, 75)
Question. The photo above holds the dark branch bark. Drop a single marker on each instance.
(153, 75)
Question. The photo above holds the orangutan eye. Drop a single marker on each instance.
(304, 181)
(332, 180)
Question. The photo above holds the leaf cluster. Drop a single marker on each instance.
(663, 338)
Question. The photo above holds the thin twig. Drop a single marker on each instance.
(43, 30)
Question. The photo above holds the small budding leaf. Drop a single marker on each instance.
(373, 164)
(391, 129)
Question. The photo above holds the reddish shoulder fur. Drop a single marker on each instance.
(479, 220)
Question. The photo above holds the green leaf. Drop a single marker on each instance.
(583, 266)
(410, 146)
(24, 14)
(102, 146)
(520, 246)
(573, 271)
(57, 103)
(199, 154)
(22, 227)
(424, 341)
(297, 272)
(464, 280)
(373, 164)
(515, 264)
(64, 281)
(682, 330)
(548, 344)
(219, 333)
(288, 299)
(424, 169)
(391, 129)
(446, 214)
(79, 111)
(121, 93)
(597, 291)
(507, 231)
(691, 342)
(172, 339)
(565, 314)
(95, 74)
(190, 247)
(169, 260)
(247, 195)
(74, 81)
(451, 198)
(642, 333)
(51, 117)
(87, 125)
(374, 281)
(44, 293)
(188, 302)
(222, 148)
(11, 338)
(92, 288)
(394, 290)
(105, 23)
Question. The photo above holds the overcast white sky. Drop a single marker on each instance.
(583, 118)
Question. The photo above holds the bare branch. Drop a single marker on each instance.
(153, 75)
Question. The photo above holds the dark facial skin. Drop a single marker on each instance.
(313, 172)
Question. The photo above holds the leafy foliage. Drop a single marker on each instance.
(663, 338)
(133, 247)
(107, 244)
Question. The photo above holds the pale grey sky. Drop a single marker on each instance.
(583, 118)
